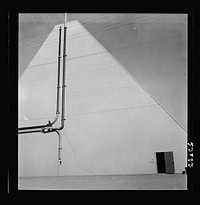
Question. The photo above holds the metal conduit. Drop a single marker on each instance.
(29, 131)
(58, 97)
(48, 127)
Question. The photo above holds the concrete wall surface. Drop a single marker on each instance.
(112, 126)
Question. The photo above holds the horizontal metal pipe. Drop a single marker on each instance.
(34, 127)
(29, 131)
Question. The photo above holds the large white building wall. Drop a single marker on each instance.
(112, 125)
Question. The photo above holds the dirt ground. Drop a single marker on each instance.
(105, 182)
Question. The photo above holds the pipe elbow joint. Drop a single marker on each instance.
(61, 128)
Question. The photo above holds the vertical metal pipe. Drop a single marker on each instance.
(64, 75)
(47, 129)
(65, 20)
(58, 80)
(58, 83)
(59, 146)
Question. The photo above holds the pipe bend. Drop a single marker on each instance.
(56, 118)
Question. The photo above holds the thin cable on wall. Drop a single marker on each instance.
(76, 159)
(125, 23)
(129, 46)
(34, 119)
(39, 65)
(83, 22)
(46, 30)
(96, 31)
(36, 22)
(88, 93)
(112, 110)
(137, 80)
(105, 51)
(110, 27)
(98, 112)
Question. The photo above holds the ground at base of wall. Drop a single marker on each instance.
(105, 182)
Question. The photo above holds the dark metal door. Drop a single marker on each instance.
(169, 163)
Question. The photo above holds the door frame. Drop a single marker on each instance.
(166, 162)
